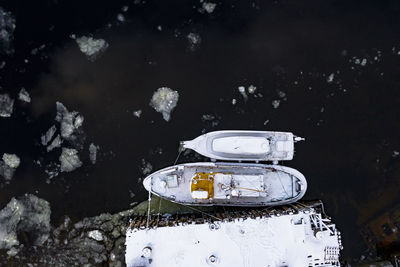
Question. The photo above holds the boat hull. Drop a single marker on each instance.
(239, 145)
(283, 185)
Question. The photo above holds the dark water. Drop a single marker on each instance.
(351, 124)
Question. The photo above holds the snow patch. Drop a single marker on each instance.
(28, 214)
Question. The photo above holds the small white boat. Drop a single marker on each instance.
(244, 145)
(227, 184)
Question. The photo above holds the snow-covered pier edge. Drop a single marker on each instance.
(293, 235)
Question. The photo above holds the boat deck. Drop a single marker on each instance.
(253, 185)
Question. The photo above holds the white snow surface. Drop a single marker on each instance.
(91, 47)
(288, 240)
(164, 100)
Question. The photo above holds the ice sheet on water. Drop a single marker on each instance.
(23, 95)
(92, 48)
(7, 27)
(6, 105)
(164, 100)
(93, 152)
(28, 214)
(69, 160)
(48, 135)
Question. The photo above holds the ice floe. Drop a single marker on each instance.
(70, 121)
(55, 143)
(28, 214)
(242, 91)
(96, 235)
(251, 89)
(121, 17)
(209, 7)
(8, 165)
(146, 167)
(24, 96)
(69, 160)
(48, 135)
(194, 40)
(164, 100)
(7, 27)
(93, 152)
(330, 78)
(92, 48)
(276, 103)
(6, 105)
(137, 113)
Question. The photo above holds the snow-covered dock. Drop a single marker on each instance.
(301, 238)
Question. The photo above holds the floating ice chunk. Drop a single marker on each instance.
(159, 27)
(8, 165)
(276, 103)
(96, 235)
(242, 91)
(194, 40)
(164, 100)
(330, 78)
(120, 17)
(363, 62)
(146, 167)
(28, 214)
(6, 105)
(93, 152)
(281, 94)
(69, 160)
(137, 113)
(55, 143)
(92, 48)
(125, 8)
(70, 121)
(24, 95)
(251, 89)
(49, 135)
(395, 153)
(7, 27)
(234, 101)
(209, 7)
(11, 160)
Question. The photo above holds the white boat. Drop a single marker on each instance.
(227, 184)
(244, 145)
